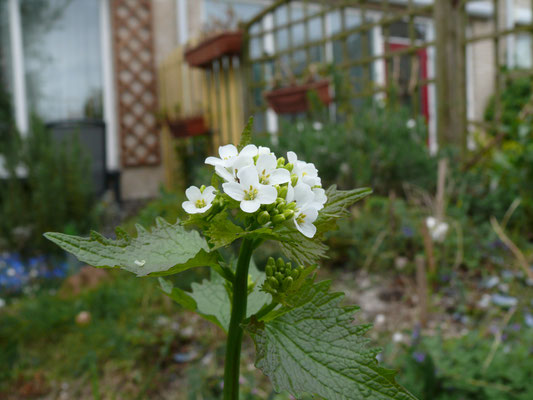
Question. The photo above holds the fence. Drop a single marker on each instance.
(426, 54)
(214, 92)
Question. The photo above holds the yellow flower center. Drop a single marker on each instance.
(250, 194)
(264, 178)
(300, 219)
(200, 203)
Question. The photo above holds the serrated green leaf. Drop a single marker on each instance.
(297, 247)
(314, 348)
(337, 206)
(211, 299)
(246, 135)
(184, 299)
(178, 295)
(222, 231)
(167, 249)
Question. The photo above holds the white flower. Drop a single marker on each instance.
(231, 160)
(198, 201)
(303, 195)
(263, 150)
(410, 124)
(2, 303)
(304, 218)
(437, 229)
(306, 172)
(307, 211)
(268, 172)
(248, 191)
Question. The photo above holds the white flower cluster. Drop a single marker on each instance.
(263, 184)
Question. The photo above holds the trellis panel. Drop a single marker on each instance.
(136, 82)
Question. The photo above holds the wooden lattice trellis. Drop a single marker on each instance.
(136, 82)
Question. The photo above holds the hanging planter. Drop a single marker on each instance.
(187, 127)
(213, 48)
(293, 99)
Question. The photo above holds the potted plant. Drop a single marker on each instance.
(293, 98)
(181, 125)
(220, 39)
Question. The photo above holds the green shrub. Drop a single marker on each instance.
(446, 369)
(48, 188)
(377, 147)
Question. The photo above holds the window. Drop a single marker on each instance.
(62, 57)
(523, 51)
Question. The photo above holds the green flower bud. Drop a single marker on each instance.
(271, 261)
(295, 274)
(282, 192)
(281, 203)
(281, 162)
(280, 263)
(202, 188)
(287, 282)
(271, 206)
(291, 205)
(274, 212)
(289, 167)
(273, 282)
(263, 218)
(278, 219)
(279, 277)
(294, 179)
(288, 266)
(288, 214)
(269, 270)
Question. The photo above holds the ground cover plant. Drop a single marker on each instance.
(306, 343)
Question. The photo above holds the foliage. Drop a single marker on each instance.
(330, 359)
(442, 369)
(376, 147)
(262, 198)
(41, 332)
(48, 188)
(167, 249)
(385, 233)
(512, 101)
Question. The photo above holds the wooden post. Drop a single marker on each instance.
(441, 189)
(428, 248)
(422, 289)
(450, 73)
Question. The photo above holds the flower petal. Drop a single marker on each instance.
(250, 206)
(227, 151)
(266, 194)
(248, 176)
(233, 190)
(292, 157)
(307, 229)
(266, 162)
(214, 161)
(279, 176)
(249, 151)
(204, 209)
(193, 193)
(189, 207)
(303, 194)
(224, 173)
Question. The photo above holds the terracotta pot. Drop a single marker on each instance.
(293, 99)
(213, 48)
(187, 127)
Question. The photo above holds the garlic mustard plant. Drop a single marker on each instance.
(306, 341)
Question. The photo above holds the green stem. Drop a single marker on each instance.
(238, 313)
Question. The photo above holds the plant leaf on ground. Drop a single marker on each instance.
(314, 348)
(210, 298)
(167, 249)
